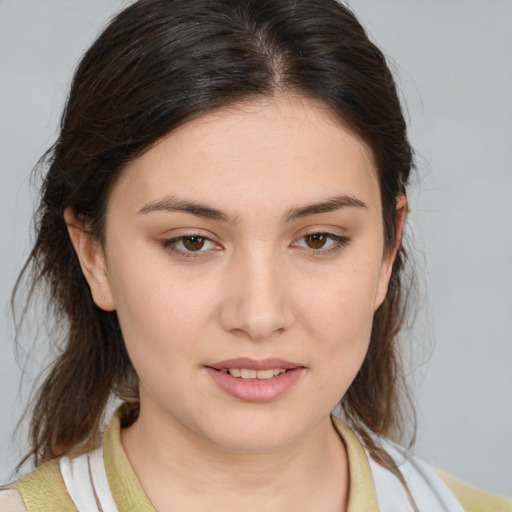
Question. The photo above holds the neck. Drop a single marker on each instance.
(311, 470)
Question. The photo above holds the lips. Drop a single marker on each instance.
(255, 380)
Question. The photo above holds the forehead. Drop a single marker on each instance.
(255, 155)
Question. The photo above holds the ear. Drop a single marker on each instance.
(389, 258)
(92, 261)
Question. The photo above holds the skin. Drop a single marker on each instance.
(257, 288)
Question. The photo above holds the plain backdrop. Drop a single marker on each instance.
(453, 61)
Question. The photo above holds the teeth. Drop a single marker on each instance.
(265, 374)
(246, 373)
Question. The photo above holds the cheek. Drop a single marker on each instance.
(343, 302)
(339, 314)
(162, 313)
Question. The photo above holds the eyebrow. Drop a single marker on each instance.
(173, 204)
(330, 205)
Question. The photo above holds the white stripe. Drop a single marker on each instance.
(99, 477)
(391, 494)
(75, 472)
(433, 485)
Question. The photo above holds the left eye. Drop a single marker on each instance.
(322, 241)
(193, 243)
(189, 244)
(316, 240)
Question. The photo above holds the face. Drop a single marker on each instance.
(245, 259)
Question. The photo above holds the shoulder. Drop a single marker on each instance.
(424, 479)
(427, 488)
(457, 495)
(474, 499)
(41, 490)
(11, 501)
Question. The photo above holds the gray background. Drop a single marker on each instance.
(453, 59)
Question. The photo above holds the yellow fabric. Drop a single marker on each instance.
(43, 489)
(361, 496)
(127, 491)
(473, 499)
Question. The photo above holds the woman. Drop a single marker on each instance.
(220, 230)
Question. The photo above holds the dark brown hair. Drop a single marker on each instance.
(157, 65)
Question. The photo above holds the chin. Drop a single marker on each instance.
(262, 439)
(261, 429)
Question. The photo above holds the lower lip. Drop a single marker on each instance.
(255, 390)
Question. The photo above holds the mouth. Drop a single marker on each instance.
(255, 380)
(247, 368)
(248, 373)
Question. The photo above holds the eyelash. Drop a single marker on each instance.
(339, 242)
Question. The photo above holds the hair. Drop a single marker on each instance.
(157, 65)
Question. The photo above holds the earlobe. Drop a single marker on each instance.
(389, 258)
(92, 261)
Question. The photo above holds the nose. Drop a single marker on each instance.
(256, 303)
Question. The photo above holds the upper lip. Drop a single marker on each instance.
(254, 364)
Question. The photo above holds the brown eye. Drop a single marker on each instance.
(315, 240)
(193, 243)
